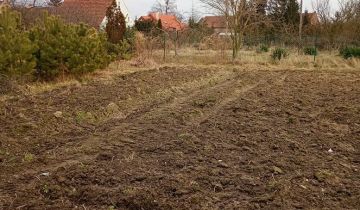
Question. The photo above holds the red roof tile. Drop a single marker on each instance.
(91, 12)
(214, 21)
(312, 18)
(168, 22)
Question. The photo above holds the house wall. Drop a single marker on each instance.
(220, 30)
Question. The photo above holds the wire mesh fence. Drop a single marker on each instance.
(319, 41)
(170, 42)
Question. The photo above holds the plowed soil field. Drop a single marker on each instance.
(186, 138)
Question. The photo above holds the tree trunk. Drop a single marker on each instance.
(300, 25)
(240, 42)
(237, 40)
(234, 47)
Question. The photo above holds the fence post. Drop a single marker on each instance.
(164, 56)
(176, 41)
(315, 47)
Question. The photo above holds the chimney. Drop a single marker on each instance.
(157, 15)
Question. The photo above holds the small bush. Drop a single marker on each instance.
(128, 44)
(145, 26)
(310, 51)
(119, 51)
(263, 49)
(350, 52)
(279, 53)
(16, 50)
(125, 48)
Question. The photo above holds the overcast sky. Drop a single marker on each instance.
(142, 7)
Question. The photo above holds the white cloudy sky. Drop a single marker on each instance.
(142, 7)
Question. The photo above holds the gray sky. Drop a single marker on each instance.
(138, 8)
(142, 7)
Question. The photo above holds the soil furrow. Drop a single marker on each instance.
(187, 139)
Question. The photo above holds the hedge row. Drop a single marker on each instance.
(350, 52)
(53, 48)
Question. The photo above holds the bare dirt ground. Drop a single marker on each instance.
(186, 138)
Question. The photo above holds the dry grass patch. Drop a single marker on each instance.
(252, 59)
(105, 75)
(217, 59)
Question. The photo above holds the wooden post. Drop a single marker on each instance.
(176, 42)
(164, 56)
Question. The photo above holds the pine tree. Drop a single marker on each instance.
(65, 49)
(192, 23)
(284, 12)
(292, 12)
(116, 24)
(15, 47)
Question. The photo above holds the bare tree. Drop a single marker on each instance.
(165, 6)
(323, 10)
(27, 3)
(168, 7)
(55, 3)
(349, 9)
(326, 28)
(348, 17)
(241, 16)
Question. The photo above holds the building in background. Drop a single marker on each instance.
(90, 12)
(168, 22)
(310, 18)
(216, 23)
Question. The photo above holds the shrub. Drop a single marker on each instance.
(119, 51)
(16, 50)
(350, 52)
(310, 51)
(145, 26)
(279, 53)
(124, 49)
(51, 47)
(128, 43)
(263, 49)
(66, 48)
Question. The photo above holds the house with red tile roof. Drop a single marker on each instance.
(217, 23)
(90, 12)
(311, 18)
(168, 22)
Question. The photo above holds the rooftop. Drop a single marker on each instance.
(168, 22)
